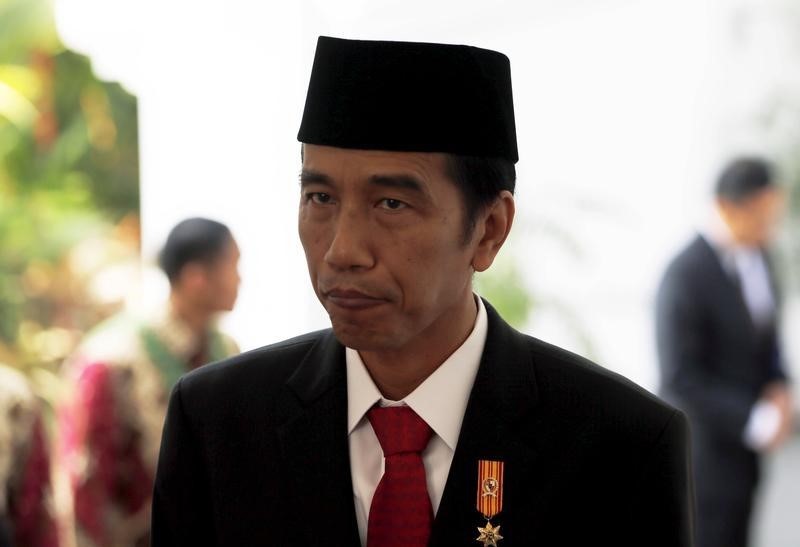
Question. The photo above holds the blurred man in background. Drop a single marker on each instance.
(122, 374)
(719, 352)
(26, 506)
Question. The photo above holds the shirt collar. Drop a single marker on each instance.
(440, 400)
(174, 332)
(730, 252)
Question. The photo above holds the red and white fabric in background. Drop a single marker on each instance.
(27, 515)
(110, 425)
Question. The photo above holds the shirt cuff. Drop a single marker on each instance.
(763, 424)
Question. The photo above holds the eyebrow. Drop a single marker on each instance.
(407, 182)
(308, 176)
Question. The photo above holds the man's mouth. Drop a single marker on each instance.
(352, 299)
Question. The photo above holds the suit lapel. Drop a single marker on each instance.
(314, 447)
(728, 283)
(498, 425)
(772, 279)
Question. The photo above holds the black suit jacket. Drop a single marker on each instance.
(255, 452)
(714, 364)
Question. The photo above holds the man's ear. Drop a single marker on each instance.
(192, 277)
(492, 230)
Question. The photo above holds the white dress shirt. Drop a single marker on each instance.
(440, 400)
(748, 266)
(756, 289)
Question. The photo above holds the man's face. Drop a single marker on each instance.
(753, 221)
(383, 237)
(221, 279)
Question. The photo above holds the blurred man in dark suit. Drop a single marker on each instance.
(717, 335)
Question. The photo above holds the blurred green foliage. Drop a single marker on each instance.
(504, 287)
(69, 171)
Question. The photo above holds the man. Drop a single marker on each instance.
(420, 418)
(122, 374)
(716, 317)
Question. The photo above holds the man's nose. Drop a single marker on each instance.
(351, 243)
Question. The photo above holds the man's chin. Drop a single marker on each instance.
(360, 338)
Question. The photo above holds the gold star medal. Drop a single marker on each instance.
(490, 499)
(489, 535)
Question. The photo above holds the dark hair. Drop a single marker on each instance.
(480, 180)
(193, 240)
(742, 178)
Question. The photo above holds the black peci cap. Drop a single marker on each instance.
(410, 96)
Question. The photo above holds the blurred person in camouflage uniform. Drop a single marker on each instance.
(121, 376)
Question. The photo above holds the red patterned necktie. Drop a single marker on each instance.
(401, 514)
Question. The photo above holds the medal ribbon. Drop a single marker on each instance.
(490, 488)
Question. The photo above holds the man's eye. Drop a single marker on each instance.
(392, 204)
(318, 197)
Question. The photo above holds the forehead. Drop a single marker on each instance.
(343, 164)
